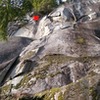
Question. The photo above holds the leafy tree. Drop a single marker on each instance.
(10, 11)
(43, 6)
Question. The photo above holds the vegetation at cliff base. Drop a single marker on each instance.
(11, 10)
(43, 6)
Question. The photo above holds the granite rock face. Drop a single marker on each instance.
(63, 62)
(28, 31)
(12, 47)
(26, 28)
(9, 52)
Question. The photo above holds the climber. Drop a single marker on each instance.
(36, 17)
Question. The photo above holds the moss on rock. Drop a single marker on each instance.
(5, 89)
(23, 82)
(80, 40)
(80, 90)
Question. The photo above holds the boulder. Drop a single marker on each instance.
(28, 31)
(25, 28)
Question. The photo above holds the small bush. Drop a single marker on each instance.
(10, 11)
(43, 6)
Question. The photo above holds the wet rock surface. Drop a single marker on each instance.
(63, 62)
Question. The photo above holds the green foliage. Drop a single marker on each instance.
(9, 13)
(95, 92)
(43, 6)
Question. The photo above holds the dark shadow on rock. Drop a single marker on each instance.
(97, 33)
(0, 93)
(32, 98)
(96, 92)
(7, 70)
(29, 66)
(12, 48)
(66, 71)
